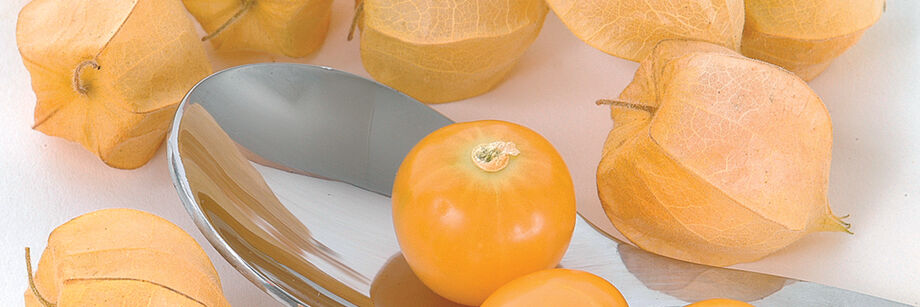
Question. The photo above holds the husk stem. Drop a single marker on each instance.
(41, 299)
(77, 82)
(247, 4)
(359, 9)
(628, 105)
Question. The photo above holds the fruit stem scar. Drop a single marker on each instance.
(77, 82)
(35, 292)
(247, 4)
(359, 9)
(628, 105)
(493, 157)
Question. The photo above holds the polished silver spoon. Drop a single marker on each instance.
(287, 168)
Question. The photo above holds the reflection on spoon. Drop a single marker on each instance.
(693, 282)
(267, 216)
(237, 198)
(397, 286)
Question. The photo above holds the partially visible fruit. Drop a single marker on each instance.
(557, 287)
(804, 36)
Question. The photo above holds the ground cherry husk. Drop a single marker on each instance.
(716, 158)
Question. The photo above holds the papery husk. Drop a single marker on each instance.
(124, 257)
(441, 51)
(630, 29)
(804, 36)
(283, 27)
(104, 77)
(716, 158)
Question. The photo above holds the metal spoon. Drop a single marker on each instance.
(287, 168)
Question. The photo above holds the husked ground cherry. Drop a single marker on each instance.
(478, 204)
(557, 287)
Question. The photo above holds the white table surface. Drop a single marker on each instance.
(872, 92)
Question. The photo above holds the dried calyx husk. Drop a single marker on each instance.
(441, 51)
(804, 36)
(126, 256)
(630, 29)
(104, 77)
(716, 158)
(284, 27)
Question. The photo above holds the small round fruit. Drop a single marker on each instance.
(720, 302)
(478, 204)
(557, 287)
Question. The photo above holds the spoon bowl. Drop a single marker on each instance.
(287, 170)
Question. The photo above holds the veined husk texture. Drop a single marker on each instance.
(124, 257)
(804, 36)
(716, 158)
(630, 29)
(109, 74)
(293, 28)
(441, 51)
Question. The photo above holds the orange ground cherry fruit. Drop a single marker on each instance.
(557, 287)
(720, 302)
(478, 204)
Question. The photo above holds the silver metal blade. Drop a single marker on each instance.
(286, 169)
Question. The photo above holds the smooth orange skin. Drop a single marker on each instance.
(466, 232)
(720, 302)
(557, 287)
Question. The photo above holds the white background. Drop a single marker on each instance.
(872, 92)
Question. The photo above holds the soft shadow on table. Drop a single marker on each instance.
(227, 59)
(867, 152)
(397, 285)
(693, 282)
